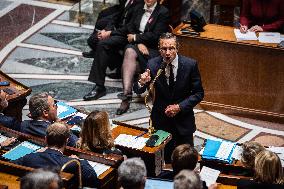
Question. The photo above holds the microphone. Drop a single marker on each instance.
(160, 70)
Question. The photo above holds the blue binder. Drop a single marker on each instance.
(21, 150)
(211, 148)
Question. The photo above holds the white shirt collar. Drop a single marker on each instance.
(151, 8)
(175, 61)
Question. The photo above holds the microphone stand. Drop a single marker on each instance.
(151, 129)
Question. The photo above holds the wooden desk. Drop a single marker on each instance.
(10, 175)
(16, 101)
(240, 78)
(107, 180)
(152, 156)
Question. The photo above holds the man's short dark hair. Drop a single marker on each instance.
(184, 157)
(38, 104)
(169, 35)
(40, 179)
(132, 173)
(57, 135)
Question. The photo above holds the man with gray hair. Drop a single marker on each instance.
(43, 111)
(132, 174)
(41, 179)
(187, 179)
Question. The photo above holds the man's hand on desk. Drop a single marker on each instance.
(74, 156)
(7, 142)
(243, 29)
(172, 110)
(213, 186)
(256, 28)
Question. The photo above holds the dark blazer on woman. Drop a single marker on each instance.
(157, 24)
(269, 14)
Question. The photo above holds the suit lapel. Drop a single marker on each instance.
(180, 74)
(152, 19)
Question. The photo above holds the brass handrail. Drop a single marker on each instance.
(79, 170)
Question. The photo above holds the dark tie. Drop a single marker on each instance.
(171, 78)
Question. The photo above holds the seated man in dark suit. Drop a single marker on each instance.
(57, 136)
(108, 50)
(43, 111)
(109, 20)
(7, 121)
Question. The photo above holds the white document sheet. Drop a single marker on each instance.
(99, 167)
(237, 153)
(224, 150)
(209, 175)
(269, 37)
(244, 36)
(130, 141)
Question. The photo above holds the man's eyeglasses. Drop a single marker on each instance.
(55, 103)
(164, 49)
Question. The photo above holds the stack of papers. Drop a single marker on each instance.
(244, 36)
(98, 167)
(269, 37)
(130, 141)
(209, 175)
(21, 150)
(64, 110)
(219, 150)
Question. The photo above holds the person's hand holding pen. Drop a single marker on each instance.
(243, 28)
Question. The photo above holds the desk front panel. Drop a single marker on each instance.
(237, 77)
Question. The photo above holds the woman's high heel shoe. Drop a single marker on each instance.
(124, 106)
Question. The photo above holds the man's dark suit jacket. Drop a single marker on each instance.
(157, 24)
(9, 122)
(54, 159)
(113, 18)
(188, 92)
(38, 128)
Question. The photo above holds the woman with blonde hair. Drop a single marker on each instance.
(96, 134)
(268, 172)
(250, 151)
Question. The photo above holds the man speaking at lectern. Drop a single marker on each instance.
(177, 90)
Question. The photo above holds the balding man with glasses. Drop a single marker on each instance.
(43, 111)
